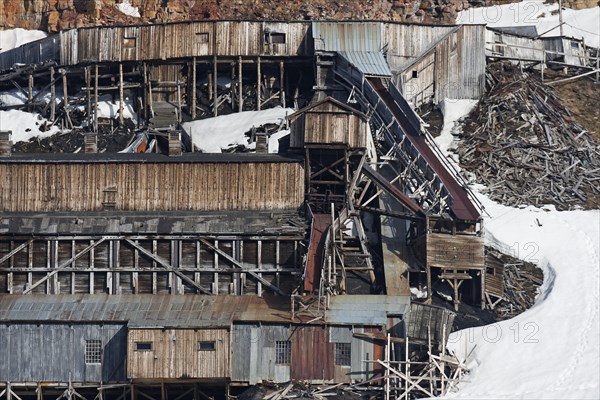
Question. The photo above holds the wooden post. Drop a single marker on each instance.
(96, 99)
(258, 85)
(216, 92)
(30, 93)
(52, 96)
(483, 289)
(194, 84)
(121, 97)
(179, 108)
(281, 84)
(210, 83)
(145, 93)
(88, 92)
(240, 86)
(8, 391)
(65, 92)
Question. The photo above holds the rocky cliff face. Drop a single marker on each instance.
(54, 15)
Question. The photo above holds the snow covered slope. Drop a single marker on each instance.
(579, 24)
(25, 126)
(551, 351)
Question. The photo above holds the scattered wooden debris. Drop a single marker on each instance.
(522, 143)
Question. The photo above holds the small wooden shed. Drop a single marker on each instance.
(329, 122)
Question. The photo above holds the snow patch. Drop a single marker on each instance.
(551, 350)
(274, 140)
(126, 8)
(12, 38)
(580, 24)
(454, 111)
(212, 135)
(420, 294)
(25, 126)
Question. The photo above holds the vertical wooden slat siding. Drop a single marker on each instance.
(327, 123)
(44, 187)
(176, 40)
(175, 354)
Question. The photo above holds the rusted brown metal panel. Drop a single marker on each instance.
(316, 251)
(312, 354)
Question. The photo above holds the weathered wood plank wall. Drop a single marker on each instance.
(175, 354)
(44, 187)
(183, 40)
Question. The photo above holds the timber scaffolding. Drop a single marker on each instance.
(527, 48)
(297, 239)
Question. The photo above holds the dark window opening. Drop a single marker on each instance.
(574, 44)
(206, 346)
(283, 352)
(202, 37)
(129, 42)
(343, 352)
(143, 346)
(274, 38)
(93, 351)
(415, 74)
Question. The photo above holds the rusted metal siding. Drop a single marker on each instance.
(46, 187)
(455, 251)
(175, 354)
(254, 353)
(312, 353)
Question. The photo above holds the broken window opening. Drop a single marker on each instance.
(206, 346)
(283, 352)
(93, 351)
(143, 346)
(343, 352)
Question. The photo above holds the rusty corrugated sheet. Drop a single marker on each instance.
(316, 251)
(312, 354)
(144, 310)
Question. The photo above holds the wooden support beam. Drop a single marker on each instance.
(121, 97)
(52, 95)
(194, 86)
(240, 86)
(63, 265)
(88, 94)
(216, 93)
(15, 251)
(236, 263)
(96, 98)
(281, 84)
(258, 85)
(167, 266)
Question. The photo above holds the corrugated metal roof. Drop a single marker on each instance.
(360, 43)
(368, 62)
(267, 223)
(365, 309)
(145, 310)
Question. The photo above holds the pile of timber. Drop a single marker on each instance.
(524, 146)
(297, 389)
(522, 281)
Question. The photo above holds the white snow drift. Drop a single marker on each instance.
(214, 134)
(11, 38)
(25, 126)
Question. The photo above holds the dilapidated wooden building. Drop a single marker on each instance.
(166, 276)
